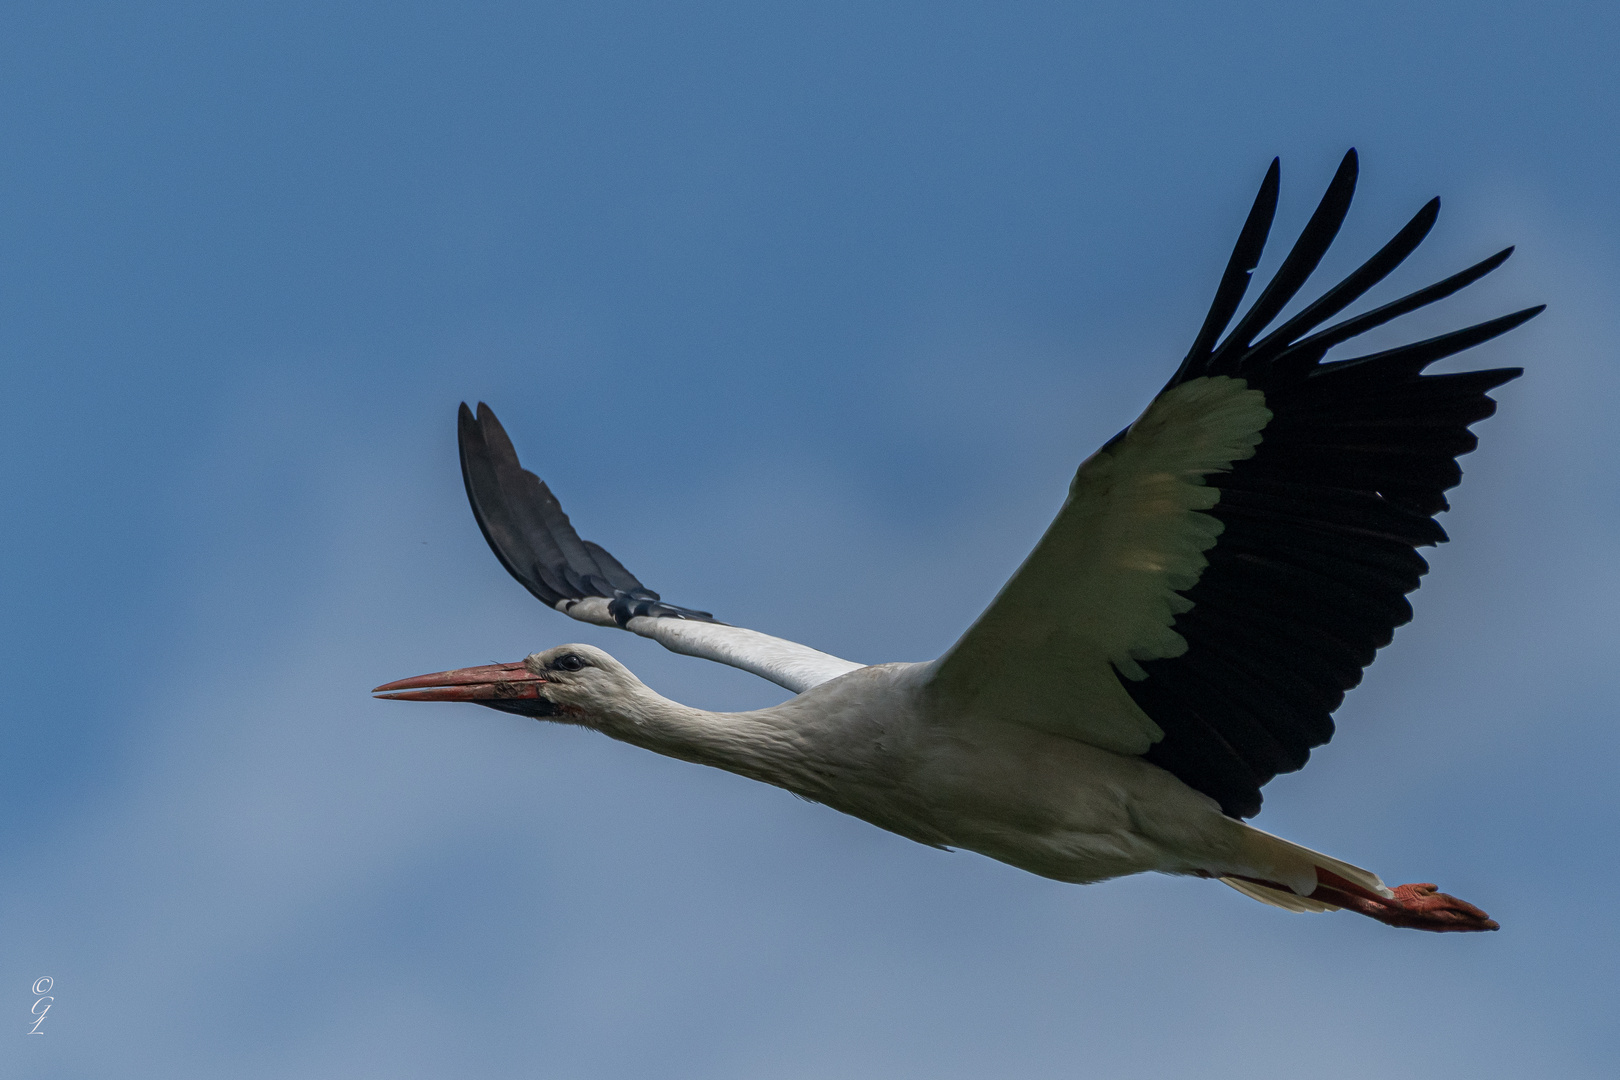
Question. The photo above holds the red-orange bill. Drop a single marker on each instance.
(497, 682)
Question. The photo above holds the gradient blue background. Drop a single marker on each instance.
(807, 312)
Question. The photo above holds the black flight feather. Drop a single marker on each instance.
(527, 530)
(1302, 260)
(1320, 528)
(1235, 281)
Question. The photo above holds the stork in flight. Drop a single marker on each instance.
(1219, 575)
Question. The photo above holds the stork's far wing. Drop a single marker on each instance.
(533, 539)
(1224, 568)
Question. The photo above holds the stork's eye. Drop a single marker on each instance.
(570, 662)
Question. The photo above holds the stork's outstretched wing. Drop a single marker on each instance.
(530, 534)
(1224, 568)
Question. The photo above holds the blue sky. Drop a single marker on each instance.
(807, 312)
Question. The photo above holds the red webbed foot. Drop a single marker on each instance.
(1418, 907)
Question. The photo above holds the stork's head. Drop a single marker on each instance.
(572, 684)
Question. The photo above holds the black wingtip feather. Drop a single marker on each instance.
(480, 474)
(1313, 348)
(1297, 267)
(1245, 257)
(527, 530)
(1412, 359)
(1351, 289)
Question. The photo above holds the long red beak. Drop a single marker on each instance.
(492, 682)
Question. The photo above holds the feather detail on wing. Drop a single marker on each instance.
(534, 540)
(1225, 568)
(1101, 590)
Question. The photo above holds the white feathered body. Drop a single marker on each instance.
(873, 745)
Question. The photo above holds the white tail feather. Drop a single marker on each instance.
(1275, 859)
(1282, 898)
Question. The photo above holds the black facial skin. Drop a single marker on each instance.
(539, 708)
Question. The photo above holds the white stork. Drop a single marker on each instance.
(1219, 575)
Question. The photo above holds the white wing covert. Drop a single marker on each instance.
(1102, 588)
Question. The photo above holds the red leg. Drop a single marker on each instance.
(1418, 907)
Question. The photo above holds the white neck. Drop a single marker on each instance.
(759, 744)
